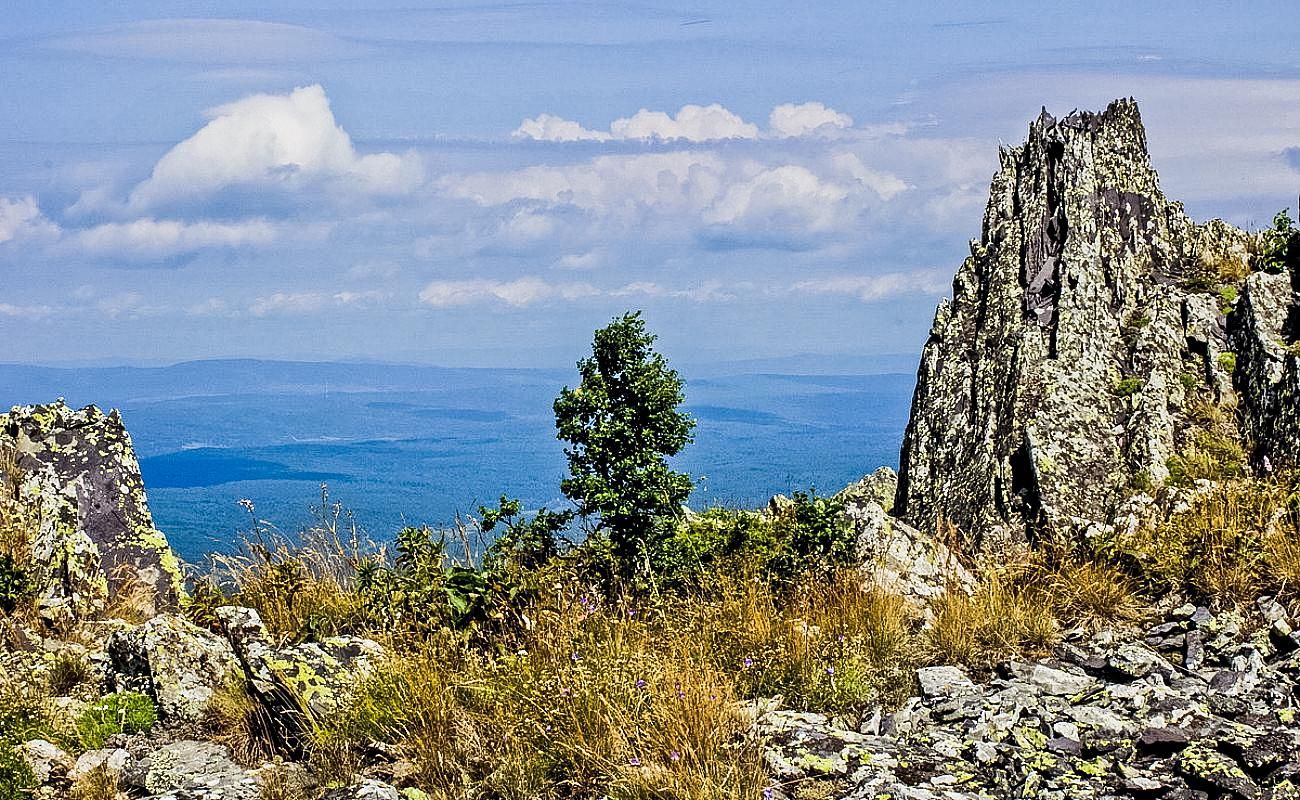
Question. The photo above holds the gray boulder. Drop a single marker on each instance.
(899, 559)
(190, 770)
(96, 538)
(179, 664)
(366, 790)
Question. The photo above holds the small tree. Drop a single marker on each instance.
(621, 422)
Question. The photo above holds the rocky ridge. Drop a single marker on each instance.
(1084, 327)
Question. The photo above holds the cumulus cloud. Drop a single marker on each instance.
(687, 190)
(158, 238)
(272, 140)
(791, 120)
(21, 217)
(692, 123)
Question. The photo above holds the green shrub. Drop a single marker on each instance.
(16, 778)
(121, 712)
(1189, 380)
(1127, 387)
(1209, 456)
(1228, 362)
(1276, 243)
(15, 583)
(1227, 297)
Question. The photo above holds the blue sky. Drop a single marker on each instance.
(471, 183)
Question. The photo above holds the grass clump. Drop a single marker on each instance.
(1127, 387)
(1005, 616)
(16, 778)
(120, 712)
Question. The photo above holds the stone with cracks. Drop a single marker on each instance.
(96, 538)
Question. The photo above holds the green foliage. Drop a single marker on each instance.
(120, 712)
(805, 536)
(1189, 380)
(1127, 387)
(1209, 456)
(621, 423)
(1227, 297)
(1228, 362)
(424, 588)
(15, 583)
(16, 778)
(1280, 244)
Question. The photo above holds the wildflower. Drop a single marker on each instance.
(747, 663)
(634, 761)
(640, 683)
(565, 691)
(674, 756)
(767, 793)
(575, 658)
(830, 671)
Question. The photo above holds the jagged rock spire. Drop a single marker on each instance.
(1056, 376)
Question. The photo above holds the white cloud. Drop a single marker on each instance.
(685, 191)
(26, 311)
(158, 238)
(870, 288)
(550, 128)
(791, 120)
(786, 196)
(273, 140)
(520, 292)
(21, 217)
(692, 123)
(882, 183)
(295, 303)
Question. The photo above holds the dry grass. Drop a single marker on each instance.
(98, 784)
(302, 589)
(239, 722)
(1009, 614)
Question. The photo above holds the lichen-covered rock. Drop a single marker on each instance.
(366, 790)
(897, 558)
(1057, 375)
(96, 538)
(313, 678)
(113, 762)
(191, 770)
(48, 761)
(1268, 369)
(174, 661)
(879, 487)
(1107, 718)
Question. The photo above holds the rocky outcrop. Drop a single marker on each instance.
(178, 664)
(1060, 373)
(1268, 367)
(1197, 708)
(94, 538)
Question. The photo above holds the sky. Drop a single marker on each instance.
(469, 183)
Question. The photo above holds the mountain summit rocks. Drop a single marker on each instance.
(1084, 328)
(76, 471)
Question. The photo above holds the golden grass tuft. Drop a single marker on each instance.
(98, 784)
(1004, 617)
(239, 722)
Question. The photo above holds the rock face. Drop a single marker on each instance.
(1268, 365)
(1061, 371)
(96, 538)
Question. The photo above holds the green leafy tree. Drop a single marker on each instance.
(622, 422)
